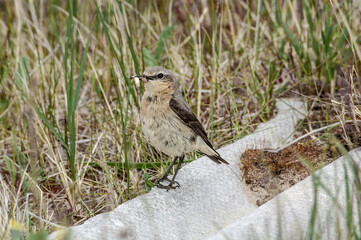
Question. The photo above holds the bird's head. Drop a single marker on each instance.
(157, 78)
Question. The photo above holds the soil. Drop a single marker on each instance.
(266, 174)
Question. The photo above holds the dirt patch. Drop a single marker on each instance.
(266, 174)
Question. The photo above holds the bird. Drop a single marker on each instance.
(169, 124)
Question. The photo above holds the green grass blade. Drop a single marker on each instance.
(138, 165)
(296, 44)
(312, 221)
(52, 129)
(22, 74)
(148, 59)
(70, 95)
(259, 6)
(166, 33)
(81, 73)
(134, 56)
(126, 78)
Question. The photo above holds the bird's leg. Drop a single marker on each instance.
(165, 177)
(175, 174)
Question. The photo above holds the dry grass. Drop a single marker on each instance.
(62, 164)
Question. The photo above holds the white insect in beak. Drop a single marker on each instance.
(137, 81)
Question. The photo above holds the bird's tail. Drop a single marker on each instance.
(217, 158)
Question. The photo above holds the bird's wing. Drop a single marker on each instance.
(187, 116)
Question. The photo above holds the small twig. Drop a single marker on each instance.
(308, 134)
(43, 220)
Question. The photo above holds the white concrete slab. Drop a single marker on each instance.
(288, 216)
(210, 196)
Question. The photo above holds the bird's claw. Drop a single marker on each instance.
(171, 185)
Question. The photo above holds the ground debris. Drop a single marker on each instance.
(267, 174)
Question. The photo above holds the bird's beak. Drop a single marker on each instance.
(141, 77)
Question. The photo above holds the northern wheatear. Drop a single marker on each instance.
(169, 124)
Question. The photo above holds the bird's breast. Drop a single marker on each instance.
(164, 130)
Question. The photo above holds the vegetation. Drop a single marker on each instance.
(70, 139)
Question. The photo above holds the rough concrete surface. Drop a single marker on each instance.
(210, 197)
(288, 215)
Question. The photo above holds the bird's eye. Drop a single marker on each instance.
(160, 75)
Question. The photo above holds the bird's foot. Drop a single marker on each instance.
(172, 184)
